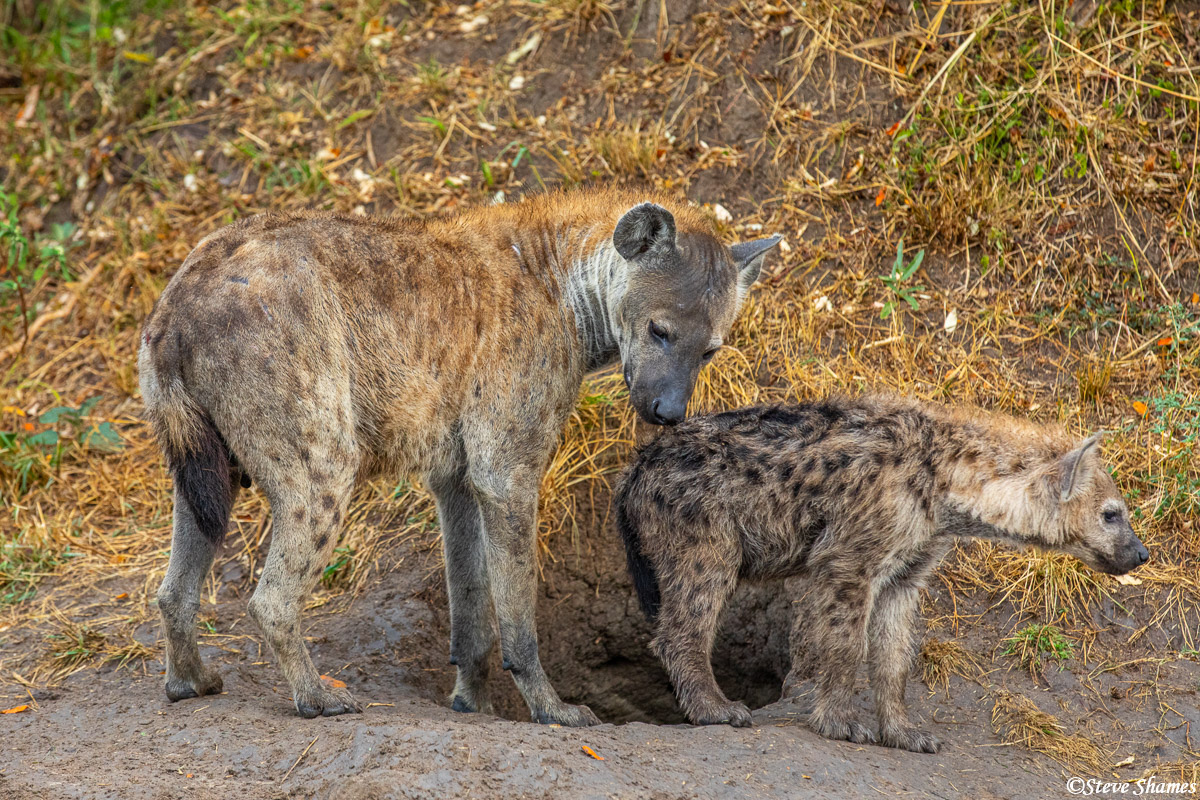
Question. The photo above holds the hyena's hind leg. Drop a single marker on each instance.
(892, 653)
(307, 509)
(179, 599)
(695, 587)
(472, 630)
(841, 606)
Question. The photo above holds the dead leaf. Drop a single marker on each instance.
(15, 710)
(879, 197)
(29, 106)
(591, 752)
(951, 323)
(333, 682)
(525, 49)
(1140, 407)
(1128, 580)
(892, 130)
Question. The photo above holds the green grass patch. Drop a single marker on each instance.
(1035, 645)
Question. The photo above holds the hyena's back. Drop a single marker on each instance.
(291, 328)
(776, 472)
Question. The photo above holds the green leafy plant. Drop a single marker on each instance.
(895, 282)
(341, 569)
(34, 456)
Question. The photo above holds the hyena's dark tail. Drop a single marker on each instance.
(196, 454)
(645, 581)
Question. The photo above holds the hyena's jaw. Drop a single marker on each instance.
(1128, 557)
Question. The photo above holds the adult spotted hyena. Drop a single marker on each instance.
(862, 497)
(307, 352)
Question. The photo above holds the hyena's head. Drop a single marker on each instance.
(1093, 519)
(683, 293)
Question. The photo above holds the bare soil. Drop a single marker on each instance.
(113, 734)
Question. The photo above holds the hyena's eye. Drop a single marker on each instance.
(659, 332)
(1111, 517)
(709, 355)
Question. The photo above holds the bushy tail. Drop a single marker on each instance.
(645, 582)
(196, 454)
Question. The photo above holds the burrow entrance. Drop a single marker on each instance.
(594, 641)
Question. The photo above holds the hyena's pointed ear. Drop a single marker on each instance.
(1072, 466)
(643, 228)
(748, 256)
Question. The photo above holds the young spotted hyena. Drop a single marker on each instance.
(308, 351)
(862, 497)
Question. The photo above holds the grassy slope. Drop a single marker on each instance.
(1044, 158)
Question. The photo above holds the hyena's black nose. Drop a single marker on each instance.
(668, 411)
(1142, 554)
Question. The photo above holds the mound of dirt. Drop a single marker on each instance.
(113, 734)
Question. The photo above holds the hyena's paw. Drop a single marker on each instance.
(329, 699)
(735, 714)
(206, 682)
(467, 704)
(566, 715)
(914, 739)
(839, 727)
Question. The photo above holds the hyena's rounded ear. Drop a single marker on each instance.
(1072, 466)
(749, 256)
(642, 228)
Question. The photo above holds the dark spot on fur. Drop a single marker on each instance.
(328, 501)
(322, 540)
(299, 514)
(239, 279)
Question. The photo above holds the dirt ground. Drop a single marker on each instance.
(113, 734)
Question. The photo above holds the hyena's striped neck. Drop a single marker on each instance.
(597, 278)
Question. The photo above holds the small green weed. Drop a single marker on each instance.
(896, 280)
(1036, 644)
(21, 567)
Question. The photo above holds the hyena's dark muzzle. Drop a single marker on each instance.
(1128, 555)
(659, 399)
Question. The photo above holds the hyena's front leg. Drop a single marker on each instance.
(695, 589)
(508, 502)
(841, 607)
(308, 510)
(472, 629)
(892, 651)
(179, 600)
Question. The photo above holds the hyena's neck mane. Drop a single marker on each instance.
(993, 473)
(596, 279)
(565, 237)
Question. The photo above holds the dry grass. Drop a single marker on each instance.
(1051, 189)
(941, 659)
(1017, 721)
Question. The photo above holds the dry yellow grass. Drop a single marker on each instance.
(1016, 720)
